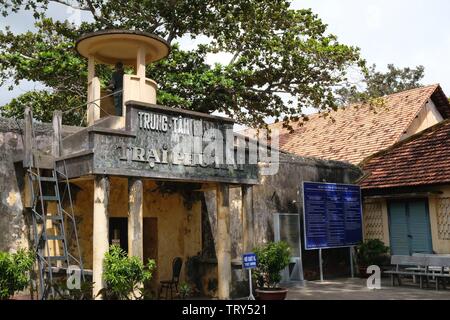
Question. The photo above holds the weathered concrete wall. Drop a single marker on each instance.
(179, 215)
(376, 220)
(280, 194)
(14, 232)
(185, 228)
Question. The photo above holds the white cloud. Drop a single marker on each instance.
(223, 58)
(373, 17)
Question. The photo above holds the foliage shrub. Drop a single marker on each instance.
(124, 276)
(14, 272)
(372, 252)
(272, 259)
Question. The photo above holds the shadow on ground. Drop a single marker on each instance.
(356, 289)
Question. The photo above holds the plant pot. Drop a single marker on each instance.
(271, 294)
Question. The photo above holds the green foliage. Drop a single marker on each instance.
(14, 272)
(272, 259)
(125, 275)
(378, 84)
(185, 290)
(372, 252)
(273, 50)
(43, 104)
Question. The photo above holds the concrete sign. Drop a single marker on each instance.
(167, 143)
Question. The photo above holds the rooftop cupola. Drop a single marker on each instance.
(120, 48)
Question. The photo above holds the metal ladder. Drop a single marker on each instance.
(45, 188)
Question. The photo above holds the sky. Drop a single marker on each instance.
(406, 33)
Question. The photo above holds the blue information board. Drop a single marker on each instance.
(250, 261)
(332, 215)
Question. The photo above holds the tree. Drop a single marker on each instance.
(377, 84)
(14, 272)
(275, 50)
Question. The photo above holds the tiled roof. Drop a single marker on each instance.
(355, 132)
(423, 159)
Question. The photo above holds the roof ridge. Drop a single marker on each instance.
(436, 85)
(359, 104)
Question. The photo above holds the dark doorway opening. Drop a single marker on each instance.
(118, 232)
(150, 247)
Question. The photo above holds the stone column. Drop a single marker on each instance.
(223, 242)
(27, 155)
(247, 219)
(135, 218)
(93, 111)
(57, 134)
(140, 63)
(100, 232)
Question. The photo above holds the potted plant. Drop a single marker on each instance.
(272, 259)
(371, 252)
(14, 272)
(125, 275)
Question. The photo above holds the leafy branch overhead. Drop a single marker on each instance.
(281, 60)
(378, 84)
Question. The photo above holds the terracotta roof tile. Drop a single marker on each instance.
(422, 159)
(359, 131)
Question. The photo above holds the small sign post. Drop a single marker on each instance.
(250, 262)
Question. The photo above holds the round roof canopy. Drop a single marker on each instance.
(112, 46)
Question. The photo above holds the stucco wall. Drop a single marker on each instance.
(427, 117)
(181, 229)
(439, 207)
(13, 229)
(375, 222)
(179, 226)
(280, 193)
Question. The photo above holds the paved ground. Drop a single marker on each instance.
(356, 289)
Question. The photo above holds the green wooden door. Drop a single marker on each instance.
(409, 227)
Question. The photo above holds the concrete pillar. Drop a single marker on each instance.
(247, 219)
(93, 110)
(27, 155)
(135, 218)
(100, 234)
(91, 68)
(223, 241)
(28, 141)
(57, 131)
(140, 63)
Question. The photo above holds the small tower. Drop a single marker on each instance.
(131, 48)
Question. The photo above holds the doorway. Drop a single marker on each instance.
(409, 227)
(150, 247)
(150, 239)
(118, 232)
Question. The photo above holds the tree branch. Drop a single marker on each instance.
(68, 4)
